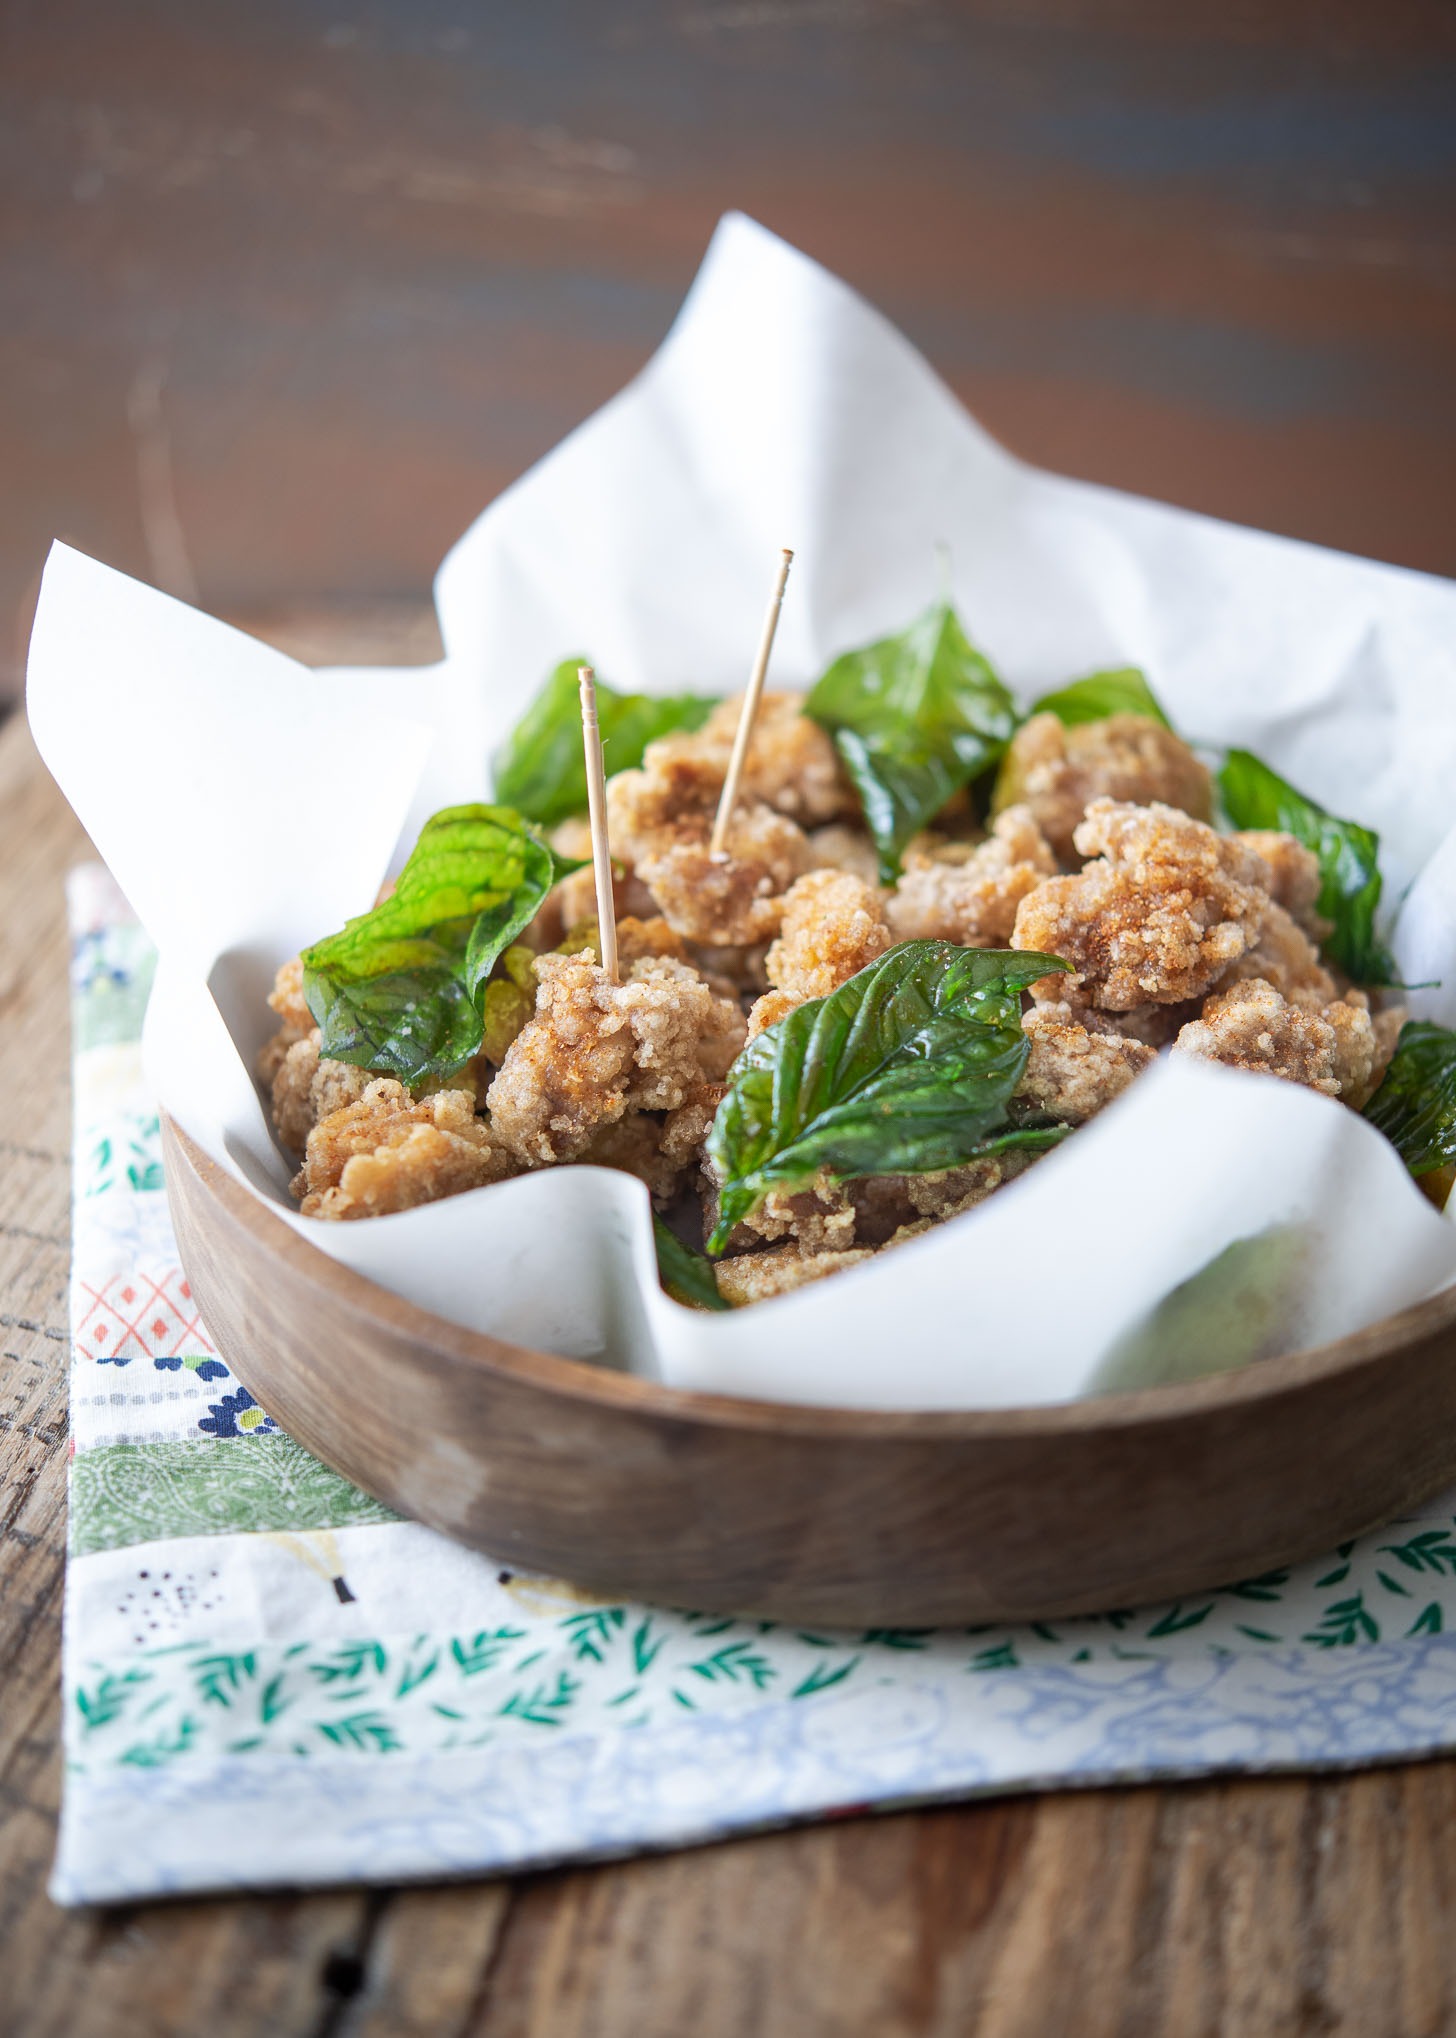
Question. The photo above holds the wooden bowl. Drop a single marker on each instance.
(816, 1515)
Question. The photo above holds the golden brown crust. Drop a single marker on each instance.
(1072, 1072)
(833, 927)
(596, 1050)
(286, 997)
(969, 893)
(1252, 1026)
(387, 1152)
(757, 1277)
(1294, 875)
(792, 765)
(1164, 912)
(1058, 772)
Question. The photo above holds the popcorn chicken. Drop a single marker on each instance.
(660, 819)
(833, 927)
(1158, 918)
(657, 1148)
(387, 1152)
(757, 1277)
(969, 893)
(1285, 957)
(1072, 1071)
(792, 764)
(305, 1089)
(1294, 875)
(1251, 1026)
(1058, 772)
(286, 997)
(829, 1216)
(596, 1050)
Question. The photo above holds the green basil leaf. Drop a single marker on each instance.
(907, 1068)
(1415, 1106)
(540, 769)
(1124, 691)
(1256, 797)
(684, 1274)
(914, 717)
(400, 989)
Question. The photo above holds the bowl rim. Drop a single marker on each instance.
(582, 1381)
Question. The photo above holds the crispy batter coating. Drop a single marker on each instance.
(1058, 772)
(387, 1152)
(660, 819)
(829, 1216)
(792, 765)
(833, 927)
(969, 893)
(1158, 918)
(1387, 1023)
(1072, 1071)
(1294, 875)
(758, 1277)
(658, 1147)
(286, 997)
(1251, 1026)
(306, 1089)
(596, 1050)
(840, 847)
(1285, 957)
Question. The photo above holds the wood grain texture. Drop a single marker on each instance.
(293, 289)
(1233, 1909)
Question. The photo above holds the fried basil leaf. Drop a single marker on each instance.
(907, 1068)
(914, 717)
(400, 989)
(684, 1274)
(1415, 1106)
(1256, 797)
(1124, 691)
(540, 769)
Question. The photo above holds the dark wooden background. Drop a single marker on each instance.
(290, 288)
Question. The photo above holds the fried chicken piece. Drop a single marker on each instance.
(387, 1152)
(792, 764)
(1158, 918)
(829, 1216)
(286, 997)
(1251, 1026)
(1059, 772)
(833, 927)
(660, 819)
(1073, 1071)
(839, 847)
(969, 893)
(1285, 957)
(306, 1089)
(658, 1148)
(596, 1050)
(758, 1277)
(769, 1009)
(574, 900)
(1294, 876)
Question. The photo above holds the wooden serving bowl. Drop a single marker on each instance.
(816, 1515)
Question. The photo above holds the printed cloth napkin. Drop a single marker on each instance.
(270, 1679)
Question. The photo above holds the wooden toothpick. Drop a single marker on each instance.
(596, 799)
(718, 841)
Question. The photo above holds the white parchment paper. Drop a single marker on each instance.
(246, 805)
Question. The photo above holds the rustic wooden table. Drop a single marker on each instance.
(1300, 1904)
